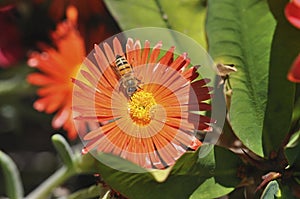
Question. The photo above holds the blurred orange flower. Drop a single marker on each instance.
(57, 67)
(294, 73)
(95, 23)
(155, 125)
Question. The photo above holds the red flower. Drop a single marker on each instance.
(11, 49)
(153, 125)
(294, 73)
(57, 67)
(292, 12)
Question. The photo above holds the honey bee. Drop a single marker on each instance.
(125, 71)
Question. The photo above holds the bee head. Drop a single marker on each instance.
(131, 90)
(118, 56)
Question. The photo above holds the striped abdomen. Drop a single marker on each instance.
(122, 66)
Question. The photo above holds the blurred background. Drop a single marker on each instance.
(25, 133)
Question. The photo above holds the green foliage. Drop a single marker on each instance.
(264, 112)
(184, 16)
(286, 193)
(292, 151)
(190, 176)
(281, 92)
(91, 192)
(271, 190)
(235, 36)
(13, 183)
(225, 176)
(296, 112)
(13, 81)
(64, 150)
(210, 189)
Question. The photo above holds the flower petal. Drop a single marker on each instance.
(167, 59)
(39, 79)
(294, 73)
(117, 47)
(145, 53)
(155, 52)
(292, 13)
(170, 130)
(111, 57)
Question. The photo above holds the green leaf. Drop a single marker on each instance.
(13, 183)
(271, 190)
(91, 192)
(132, 14)
(185, 16)
(189, 173)
(161, 175)
(286, 192)
(296, 111)
(64, 150)
(225, 176)
(226, 172)
(210, 189)
(13, 81)
(240, 33)
(190, 21)
(294, 140)
(106, 196)
(292, 151)
(45, 189)
(85, 163)
(281, 92)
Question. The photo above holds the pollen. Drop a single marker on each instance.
(141, 107)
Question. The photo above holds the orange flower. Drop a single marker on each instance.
(95, 23)
(57, 67)
(153, 125)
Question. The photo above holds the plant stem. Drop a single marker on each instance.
(43, 190)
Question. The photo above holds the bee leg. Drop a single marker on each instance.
(140, 84)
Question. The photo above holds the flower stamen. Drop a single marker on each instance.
(141, 107)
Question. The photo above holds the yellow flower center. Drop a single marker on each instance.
(141, 107)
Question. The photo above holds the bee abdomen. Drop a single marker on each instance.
(122, 65)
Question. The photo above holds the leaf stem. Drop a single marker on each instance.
(53, 181)
(164, 16)
(14, 187)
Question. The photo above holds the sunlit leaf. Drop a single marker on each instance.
(90, 192)
(235, 36)
(210, 189)
(161, 175)
(292, 151)
(187, 17)
(271, 190)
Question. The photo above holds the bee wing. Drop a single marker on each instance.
(225, 69)
(114, 68)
